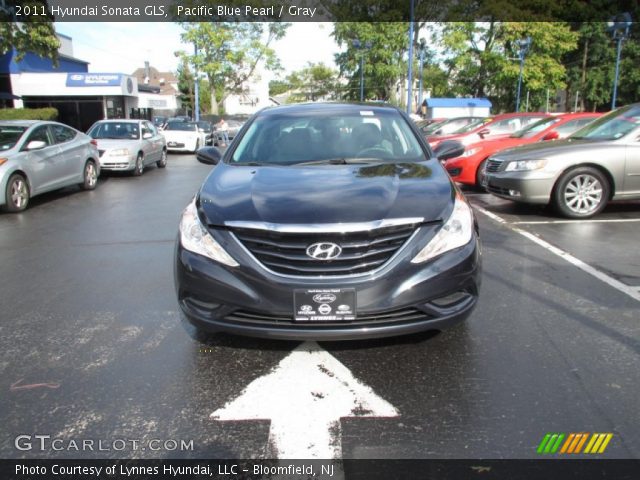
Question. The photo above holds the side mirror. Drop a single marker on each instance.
(552, 135)
(448, 149)
(35, 145)
(484, 132)
(146, 136)
(209, 155)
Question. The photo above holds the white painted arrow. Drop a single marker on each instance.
(305, 396)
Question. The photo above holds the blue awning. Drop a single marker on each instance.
(458, 102)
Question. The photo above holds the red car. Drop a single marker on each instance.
(501, 125)
(468, 167)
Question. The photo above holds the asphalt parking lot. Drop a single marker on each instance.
(92, 346)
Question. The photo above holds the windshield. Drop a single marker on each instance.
(206, 126)
(9, 136)
(360, 136)
(115, 131)
(612, 126)
(535, 128)
(473, 125)
(183, 126)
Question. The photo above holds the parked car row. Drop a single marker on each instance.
(575, 161)
(579, 175)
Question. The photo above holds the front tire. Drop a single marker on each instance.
(17, 193)
(139, 168)
(581, 193)
(480, 174)
(163, 160)
(90, 176)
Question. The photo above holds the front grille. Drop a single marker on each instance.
(493, 165)
(361, 251)
(404, 315)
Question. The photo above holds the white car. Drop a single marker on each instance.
(184, 136)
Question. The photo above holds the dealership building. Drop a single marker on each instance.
(80, 97)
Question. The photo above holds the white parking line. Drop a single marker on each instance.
(605, 220)
(633, 292)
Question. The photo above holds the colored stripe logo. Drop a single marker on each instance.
(573, 443)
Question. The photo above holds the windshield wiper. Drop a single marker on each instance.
(337, 161)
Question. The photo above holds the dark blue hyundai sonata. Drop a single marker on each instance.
(327, 221)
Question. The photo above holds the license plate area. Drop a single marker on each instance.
(324, 305)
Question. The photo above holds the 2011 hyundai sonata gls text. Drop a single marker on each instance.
(327, 221)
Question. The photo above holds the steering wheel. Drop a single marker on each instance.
(373, 152)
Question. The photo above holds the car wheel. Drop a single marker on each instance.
(581, 192)
(480, 174)
(139, 168)
(17, 194)
(163, 160)
(90, 176)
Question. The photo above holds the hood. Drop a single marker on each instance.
(496, 144)
(326, 193)
(550, 149)
(178, 133)
(114, 144)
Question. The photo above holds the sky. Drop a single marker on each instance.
(119, 47)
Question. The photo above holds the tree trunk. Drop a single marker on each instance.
(584, 72)
(214, 102)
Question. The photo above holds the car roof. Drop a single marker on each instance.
(502, 116)
(327, 108)
(21, 123)
(122, 120)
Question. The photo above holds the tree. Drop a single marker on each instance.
(313, 82)
(229, 53)
(483, 59)
(384, 62)
(34, 34)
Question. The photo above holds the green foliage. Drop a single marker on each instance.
(28, 114)
(229, 53)
(35, 35)
(483, 59)
(315, 81)
(384, 63)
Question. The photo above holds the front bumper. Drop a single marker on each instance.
(119, 163)
(401, 298)
(527, 187)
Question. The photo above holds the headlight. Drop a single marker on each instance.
(457, 232)
(121, 152)
(472, 151)
(196, 239)
(525, 165)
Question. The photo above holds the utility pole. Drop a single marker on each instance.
(196, 106)
(410, 73)
(525, 44)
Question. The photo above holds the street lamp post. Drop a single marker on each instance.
(525, 44)
(359, 46)
(410, 72)
(422, 47)
(619, 27)
(196, 106)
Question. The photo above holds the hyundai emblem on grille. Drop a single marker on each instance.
(324, 251)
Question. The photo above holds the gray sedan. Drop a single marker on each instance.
(579, 175)
(129, 145)
(37, 157)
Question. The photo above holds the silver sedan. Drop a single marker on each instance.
(37, 157)
(129, 145)
(579, 175)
